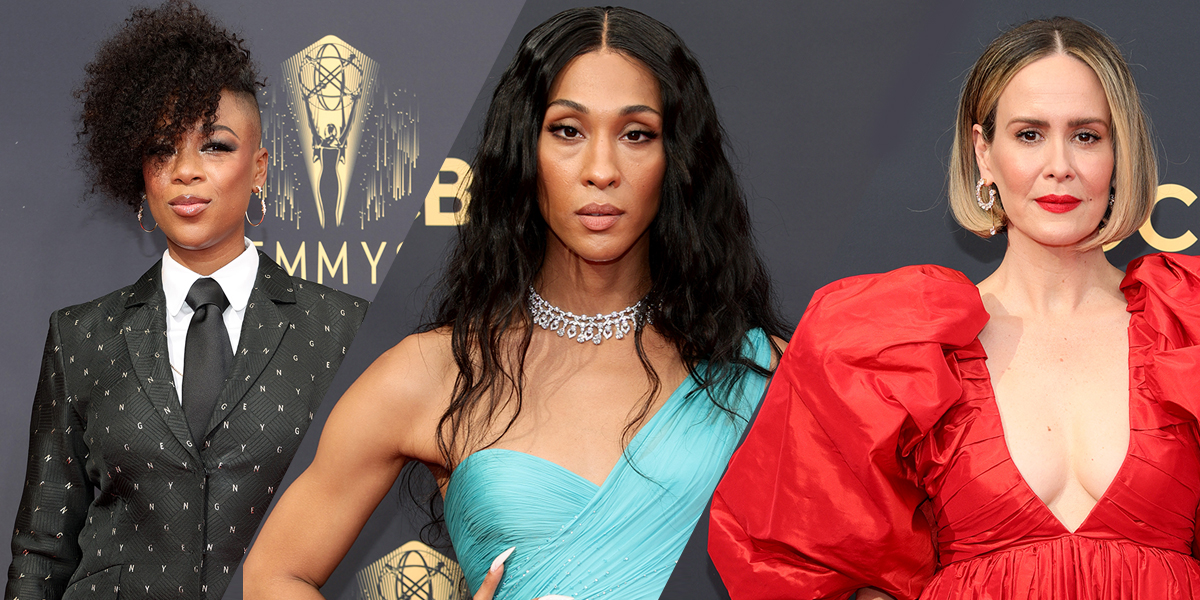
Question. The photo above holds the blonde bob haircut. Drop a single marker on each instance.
(1135, 173)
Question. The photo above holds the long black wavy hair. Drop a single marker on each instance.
(159, 76)
(708, 285)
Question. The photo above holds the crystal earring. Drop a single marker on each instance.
(984, 205)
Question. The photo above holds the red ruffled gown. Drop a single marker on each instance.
(878, 458)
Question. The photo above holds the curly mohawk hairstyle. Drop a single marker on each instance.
(149, 84)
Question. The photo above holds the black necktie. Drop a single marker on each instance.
(207, 355)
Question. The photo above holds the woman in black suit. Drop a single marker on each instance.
(167, 411)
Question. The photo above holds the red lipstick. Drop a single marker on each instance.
(187, 205)
(1056, 203)
(598, 217)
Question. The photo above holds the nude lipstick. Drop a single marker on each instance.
(187, 205)
(598, 217)
(1056, 203)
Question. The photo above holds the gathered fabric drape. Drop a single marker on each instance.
(620, 539)
(878, 458)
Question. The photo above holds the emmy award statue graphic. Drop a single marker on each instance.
(413, 571)
(332, 84)
(334, 109)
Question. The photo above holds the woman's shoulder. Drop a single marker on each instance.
(112, 302)
(904, 339)
(404, 393)
(105, 311)
(1163, 290)
(308, 292)
(762, 348)
(421, 366)
(1178, 274)
(1163, 296)
(430, 352)
(911, 304)
(911, 282)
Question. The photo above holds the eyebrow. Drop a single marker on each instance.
(628, 110)
(638, 108)
(1072, 123)
(224, 128)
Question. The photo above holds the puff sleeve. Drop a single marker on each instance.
(1163, 293)
(821, 499)
(57, 491)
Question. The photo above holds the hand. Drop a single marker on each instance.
(492, 581)
(494, 575)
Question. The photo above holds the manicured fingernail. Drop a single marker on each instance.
(556, 597)
(496, 564)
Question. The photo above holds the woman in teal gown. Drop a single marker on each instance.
(581, 450)
(635, 523)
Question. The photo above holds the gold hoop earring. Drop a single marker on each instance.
(263, 202)
(143, 225)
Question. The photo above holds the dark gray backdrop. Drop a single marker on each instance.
(840, 118)
(59, 249)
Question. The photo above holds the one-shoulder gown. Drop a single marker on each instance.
(878, 458)
(617, 540)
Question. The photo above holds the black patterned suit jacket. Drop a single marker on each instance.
(119, 500)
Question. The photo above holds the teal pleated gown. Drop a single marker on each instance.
(620, 539)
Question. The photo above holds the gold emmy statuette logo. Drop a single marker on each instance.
(343, 143)
(413, 571)
(332, 86)
(334, 111)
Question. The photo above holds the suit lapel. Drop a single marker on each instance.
(262, 331)
(145, 336)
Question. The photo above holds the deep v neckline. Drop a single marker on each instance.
(634, 442)
(1024, 483)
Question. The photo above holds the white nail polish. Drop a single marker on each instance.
(500, 559)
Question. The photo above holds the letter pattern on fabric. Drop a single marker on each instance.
(119, 498)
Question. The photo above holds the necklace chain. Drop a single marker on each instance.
(583, 328)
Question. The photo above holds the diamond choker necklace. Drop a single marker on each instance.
(583, 328)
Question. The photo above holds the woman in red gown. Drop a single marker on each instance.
(1032, 436)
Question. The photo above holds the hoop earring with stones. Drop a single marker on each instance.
(987, 205)
(991, 201)
(140, 224)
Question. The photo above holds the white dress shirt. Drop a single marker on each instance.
(237, 281)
